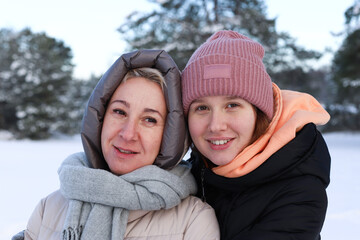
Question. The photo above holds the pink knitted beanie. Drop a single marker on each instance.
(230, 64)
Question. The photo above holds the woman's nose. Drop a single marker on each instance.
(129, 131)
(217, 122)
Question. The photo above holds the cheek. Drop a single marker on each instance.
(104, 134)
(194, 127)
(105, 149)
(107, 124)
(252, 119)
(155, 140)
(197, 129)
(108, 132)
(247, 124)
(152, 141)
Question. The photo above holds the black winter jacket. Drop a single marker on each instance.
(282, 199)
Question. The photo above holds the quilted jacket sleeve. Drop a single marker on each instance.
(34, 223)
(203, 224)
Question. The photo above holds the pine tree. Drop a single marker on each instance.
(35, 71)
(180, 26)
(346, 74)
(345, 107)
(74, 103)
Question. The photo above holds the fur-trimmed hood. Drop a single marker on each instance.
(175, 138)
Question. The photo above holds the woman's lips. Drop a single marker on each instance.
(220, 144)
(125, 151)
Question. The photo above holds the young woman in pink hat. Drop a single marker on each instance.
(258, 157)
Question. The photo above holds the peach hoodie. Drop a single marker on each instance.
(293, 110)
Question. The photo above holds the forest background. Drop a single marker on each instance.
(40, 97)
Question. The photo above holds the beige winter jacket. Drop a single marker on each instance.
(185, 221)
(191, 219)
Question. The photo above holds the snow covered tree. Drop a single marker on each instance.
(35, 71)
(352, 17)
(74, 102)
(346, 74)
(345, 107)
(180, 26)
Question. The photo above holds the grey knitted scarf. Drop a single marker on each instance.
(100, 201)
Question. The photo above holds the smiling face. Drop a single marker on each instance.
(221, 127)
(133, 125)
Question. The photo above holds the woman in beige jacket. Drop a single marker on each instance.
(128, 183)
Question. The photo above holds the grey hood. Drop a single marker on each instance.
(175, 137)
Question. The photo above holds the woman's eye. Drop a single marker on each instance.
(232, 105)
(201, 108)
(119, 112)
(151, 120)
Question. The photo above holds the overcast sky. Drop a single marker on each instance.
(88, 27)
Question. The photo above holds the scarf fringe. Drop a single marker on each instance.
(101, 201)
(72, 233)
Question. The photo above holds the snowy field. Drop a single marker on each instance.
(29, 172)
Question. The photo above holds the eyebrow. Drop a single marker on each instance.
(120, 101)
(146, 110)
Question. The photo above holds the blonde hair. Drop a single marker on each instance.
(151, 74)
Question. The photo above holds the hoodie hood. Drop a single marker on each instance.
(175, 138)
(293, 110)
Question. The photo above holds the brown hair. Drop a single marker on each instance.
(151, 74)
(261, 124)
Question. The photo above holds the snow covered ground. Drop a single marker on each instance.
(28, 172)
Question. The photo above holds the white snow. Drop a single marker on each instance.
(29, 172)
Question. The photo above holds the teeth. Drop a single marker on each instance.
(220, 142)
(123, 151)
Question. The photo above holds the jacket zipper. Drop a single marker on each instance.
(203, 198)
